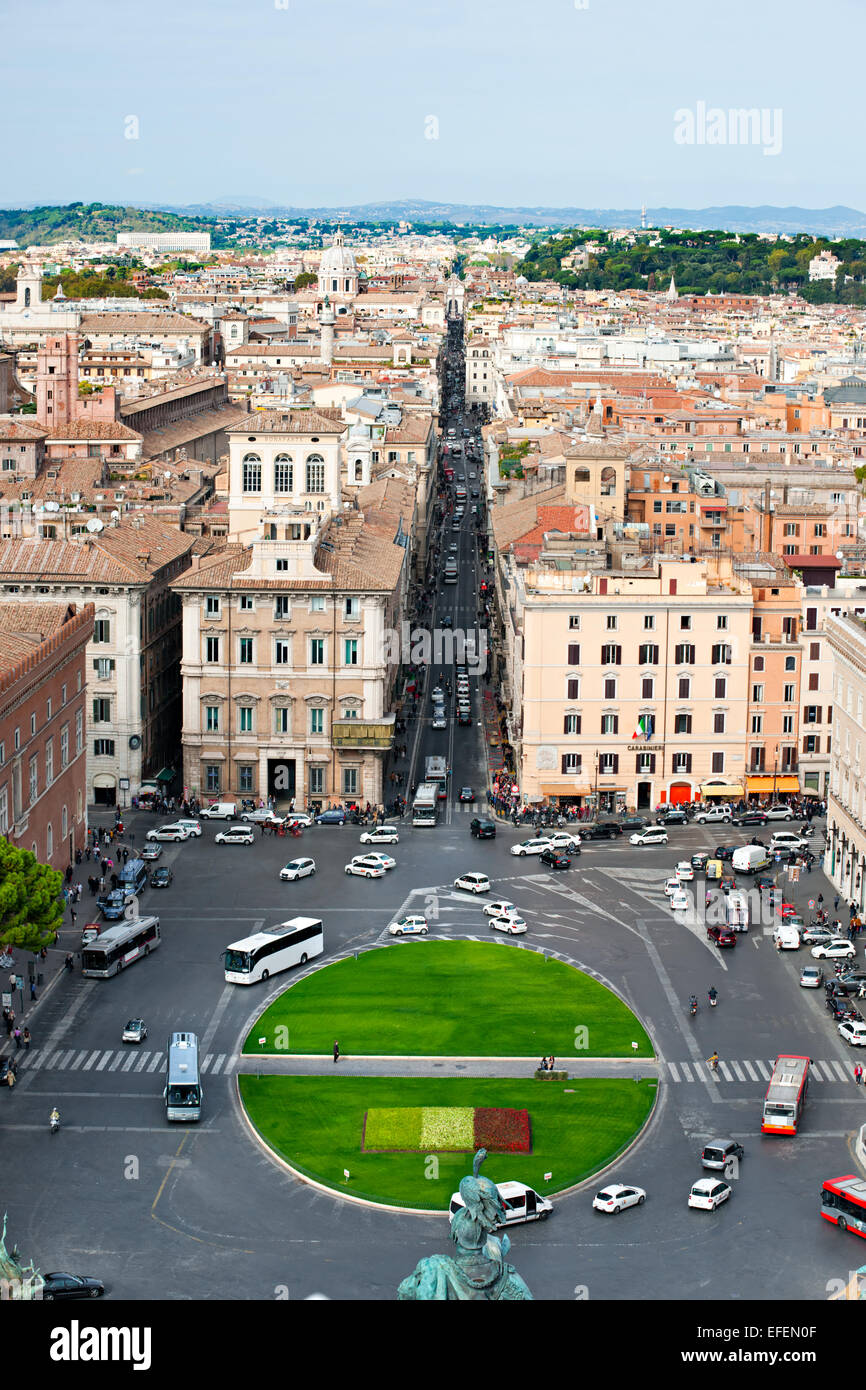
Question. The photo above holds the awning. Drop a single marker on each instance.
(548, 789)
(167, 775)
(721, 789)
(773, 784)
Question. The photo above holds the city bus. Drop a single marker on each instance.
(273, 949)
(425, 807)
(450, 575)
(786, 1096)
(115, 949)
(183, 1093)
(843, 1202)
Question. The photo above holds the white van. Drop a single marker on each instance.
(750, 859)
(220, 810)
(521, 1203)
(788, 935)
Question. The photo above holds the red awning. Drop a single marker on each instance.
(713, 506)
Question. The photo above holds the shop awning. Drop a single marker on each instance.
(773, 784)
(726, 789)
(564, 789)
(167, 775)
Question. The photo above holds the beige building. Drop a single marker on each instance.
(845, 860)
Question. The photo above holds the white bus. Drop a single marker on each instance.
(450, 575)
(118, 947)
(737, 911)
(436, 769)
(425, 807)
(183, 1092)
(273, 949)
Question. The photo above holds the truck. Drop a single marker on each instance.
(737, 911)
(424, 807)
(436, 770)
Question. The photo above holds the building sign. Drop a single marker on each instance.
(354, 733)
(645, 747)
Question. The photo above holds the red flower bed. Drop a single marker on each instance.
(502, 1131)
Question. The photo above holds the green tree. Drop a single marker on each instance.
(305, 278)
(30, 908)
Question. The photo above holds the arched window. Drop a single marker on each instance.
(49, 840)
(581, 475)
(359, 471)
(64, 825)
(608, 482)
(27, 299)
(251, 473)
(315, 473)
(283, 473)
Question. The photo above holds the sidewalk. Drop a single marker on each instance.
(519, 1068)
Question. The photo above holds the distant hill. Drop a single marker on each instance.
(91, 221)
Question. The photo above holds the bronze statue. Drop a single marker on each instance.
(478, 1270)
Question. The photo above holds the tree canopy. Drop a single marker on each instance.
(31, 909)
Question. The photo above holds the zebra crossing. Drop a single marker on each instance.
(752, 1071)
(111, 1060)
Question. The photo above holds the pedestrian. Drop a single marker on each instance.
(820, 900)
(550, 1062)
(72, 914)
(25, 1038)
(858, 1074)
(542, 1066)
(836, 903)
(17, 1036)
(10, 1077)
(33, 991)
(7, 1021)
(336, 1051)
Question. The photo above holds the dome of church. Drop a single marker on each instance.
(338, 259)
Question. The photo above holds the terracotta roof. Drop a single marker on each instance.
(321, 421)
(21, 429)
(129, 553)
(93, 429)
(147, 323)
(511, 521)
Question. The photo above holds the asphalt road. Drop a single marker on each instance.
(164, 1212)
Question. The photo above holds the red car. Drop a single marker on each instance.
(721, 936)
(787, 910)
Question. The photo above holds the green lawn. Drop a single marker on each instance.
(316, 1124)
(451, 998)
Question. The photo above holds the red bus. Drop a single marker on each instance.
(843, 1202)
(449, 474)
(786, 1095)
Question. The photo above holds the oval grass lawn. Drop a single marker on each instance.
(450, 999)
(316, 1123)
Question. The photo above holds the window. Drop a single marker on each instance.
(758, 663)
(350, 781)
(283, 474)
(722, 622)
(317, 721)
(718, 722)
(281, 565)
(315, 473)
(101, 711)
(757, 723)
(811, 619)
(611, 654)
(813, 680)
(812, 743)
(649, 622)
(682, 723)
(608, 763)
(4, 811)
(757, 694)
(681, 762)
(317, 603)
(245, 719)
(574, 621)
(282, 606)
(49, 841)
(790, 663)
(32, 724)
(648, 654)
(212, 649)
(610, 688)
(684, 654)
(610, 723)
(814, 651)
(251, 473)
(721, 654)
(317, 781)
(79, 730)
(101, 631)
(350, 713)
(812, 714)
(573, 688)
(645, 762)
(34, 779)
(611, 622)
(282, 651)
(571, 724)
(647, 688)
(212, 777)
(684, 687)
(245, 777)
(718, 762)
(247, 603)
(64, 822)
(211, 719)
(49, 762)
(281, 720)
(685, 622)
(317, 651)
(352, 608)
(574, 653)
(571, 762)
(245, 651)
(350, 652)
(757, 760)
(787, 723)
(103, 747)
(212, 606)
(789, 694)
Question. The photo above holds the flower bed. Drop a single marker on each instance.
(502, 1131)
(446, 1129)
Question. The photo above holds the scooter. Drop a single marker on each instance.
(713, 997)
(54, 1121)
(693, 1006)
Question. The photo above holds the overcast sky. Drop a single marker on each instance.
(320, 102)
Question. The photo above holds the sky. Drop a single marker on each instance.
(581, 103)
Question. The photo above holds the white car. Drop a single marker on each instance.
(192, 827)
(235, 835)
(168, 832)
(685, 872)
(362, 870)
(299, 818)
(500, 907)
(786, 839)
(680, 901)
(262, 816)
(384, 861)
(853, 1030)
(672, 885)
(708, 1193)
(473, 883)
(616, 1197)
(413, 925)
(509, 923)
(779, 813)
(653, 835)
(381, 835)
(834, 950)
(535, 846)
(714, 815)
(297, 868)
(439, 721)
(563, 840)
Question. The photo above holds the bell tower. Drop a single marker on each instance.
(28, 286)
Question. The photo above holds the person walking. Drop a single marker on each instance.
(72, 914)
(836, 903)
(17, 1036)
(858, 1074)
(33, 991)
(25, 1038)
(336, 1051)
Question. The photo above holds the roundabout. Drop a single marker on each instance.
(403, 1137)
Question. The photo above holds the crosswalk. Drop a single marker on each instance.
(125, 1060)
(755, 1072)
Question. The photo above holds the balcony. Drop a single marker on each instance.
(375, 734)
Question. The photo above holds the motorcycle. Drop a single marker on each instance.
(693, 1006)
(6, 959)
(713, 997)
(54, 1121)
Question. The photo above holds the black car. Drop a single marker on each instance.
(72, 1286)
(464, 717)
(673, 818)
(161, 877)
(699, 860)
(724, 852)
(750, 818)
(555, 859)
(482, 829)
(600, 830)
(632, 823)
(855, 974)
(839, 1007)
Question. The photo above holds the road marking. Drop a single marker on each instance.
(155, 1061)
(129, 1061)
(217, 1066)
(840, 1071)
(763, 1070)
(753, 1075)
(739, 1074)
(673, 1071)
(724, 1070)
(105, 1056)
(118, 1059)
(140, 1064)
(91, 1059)
(686, 1071)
